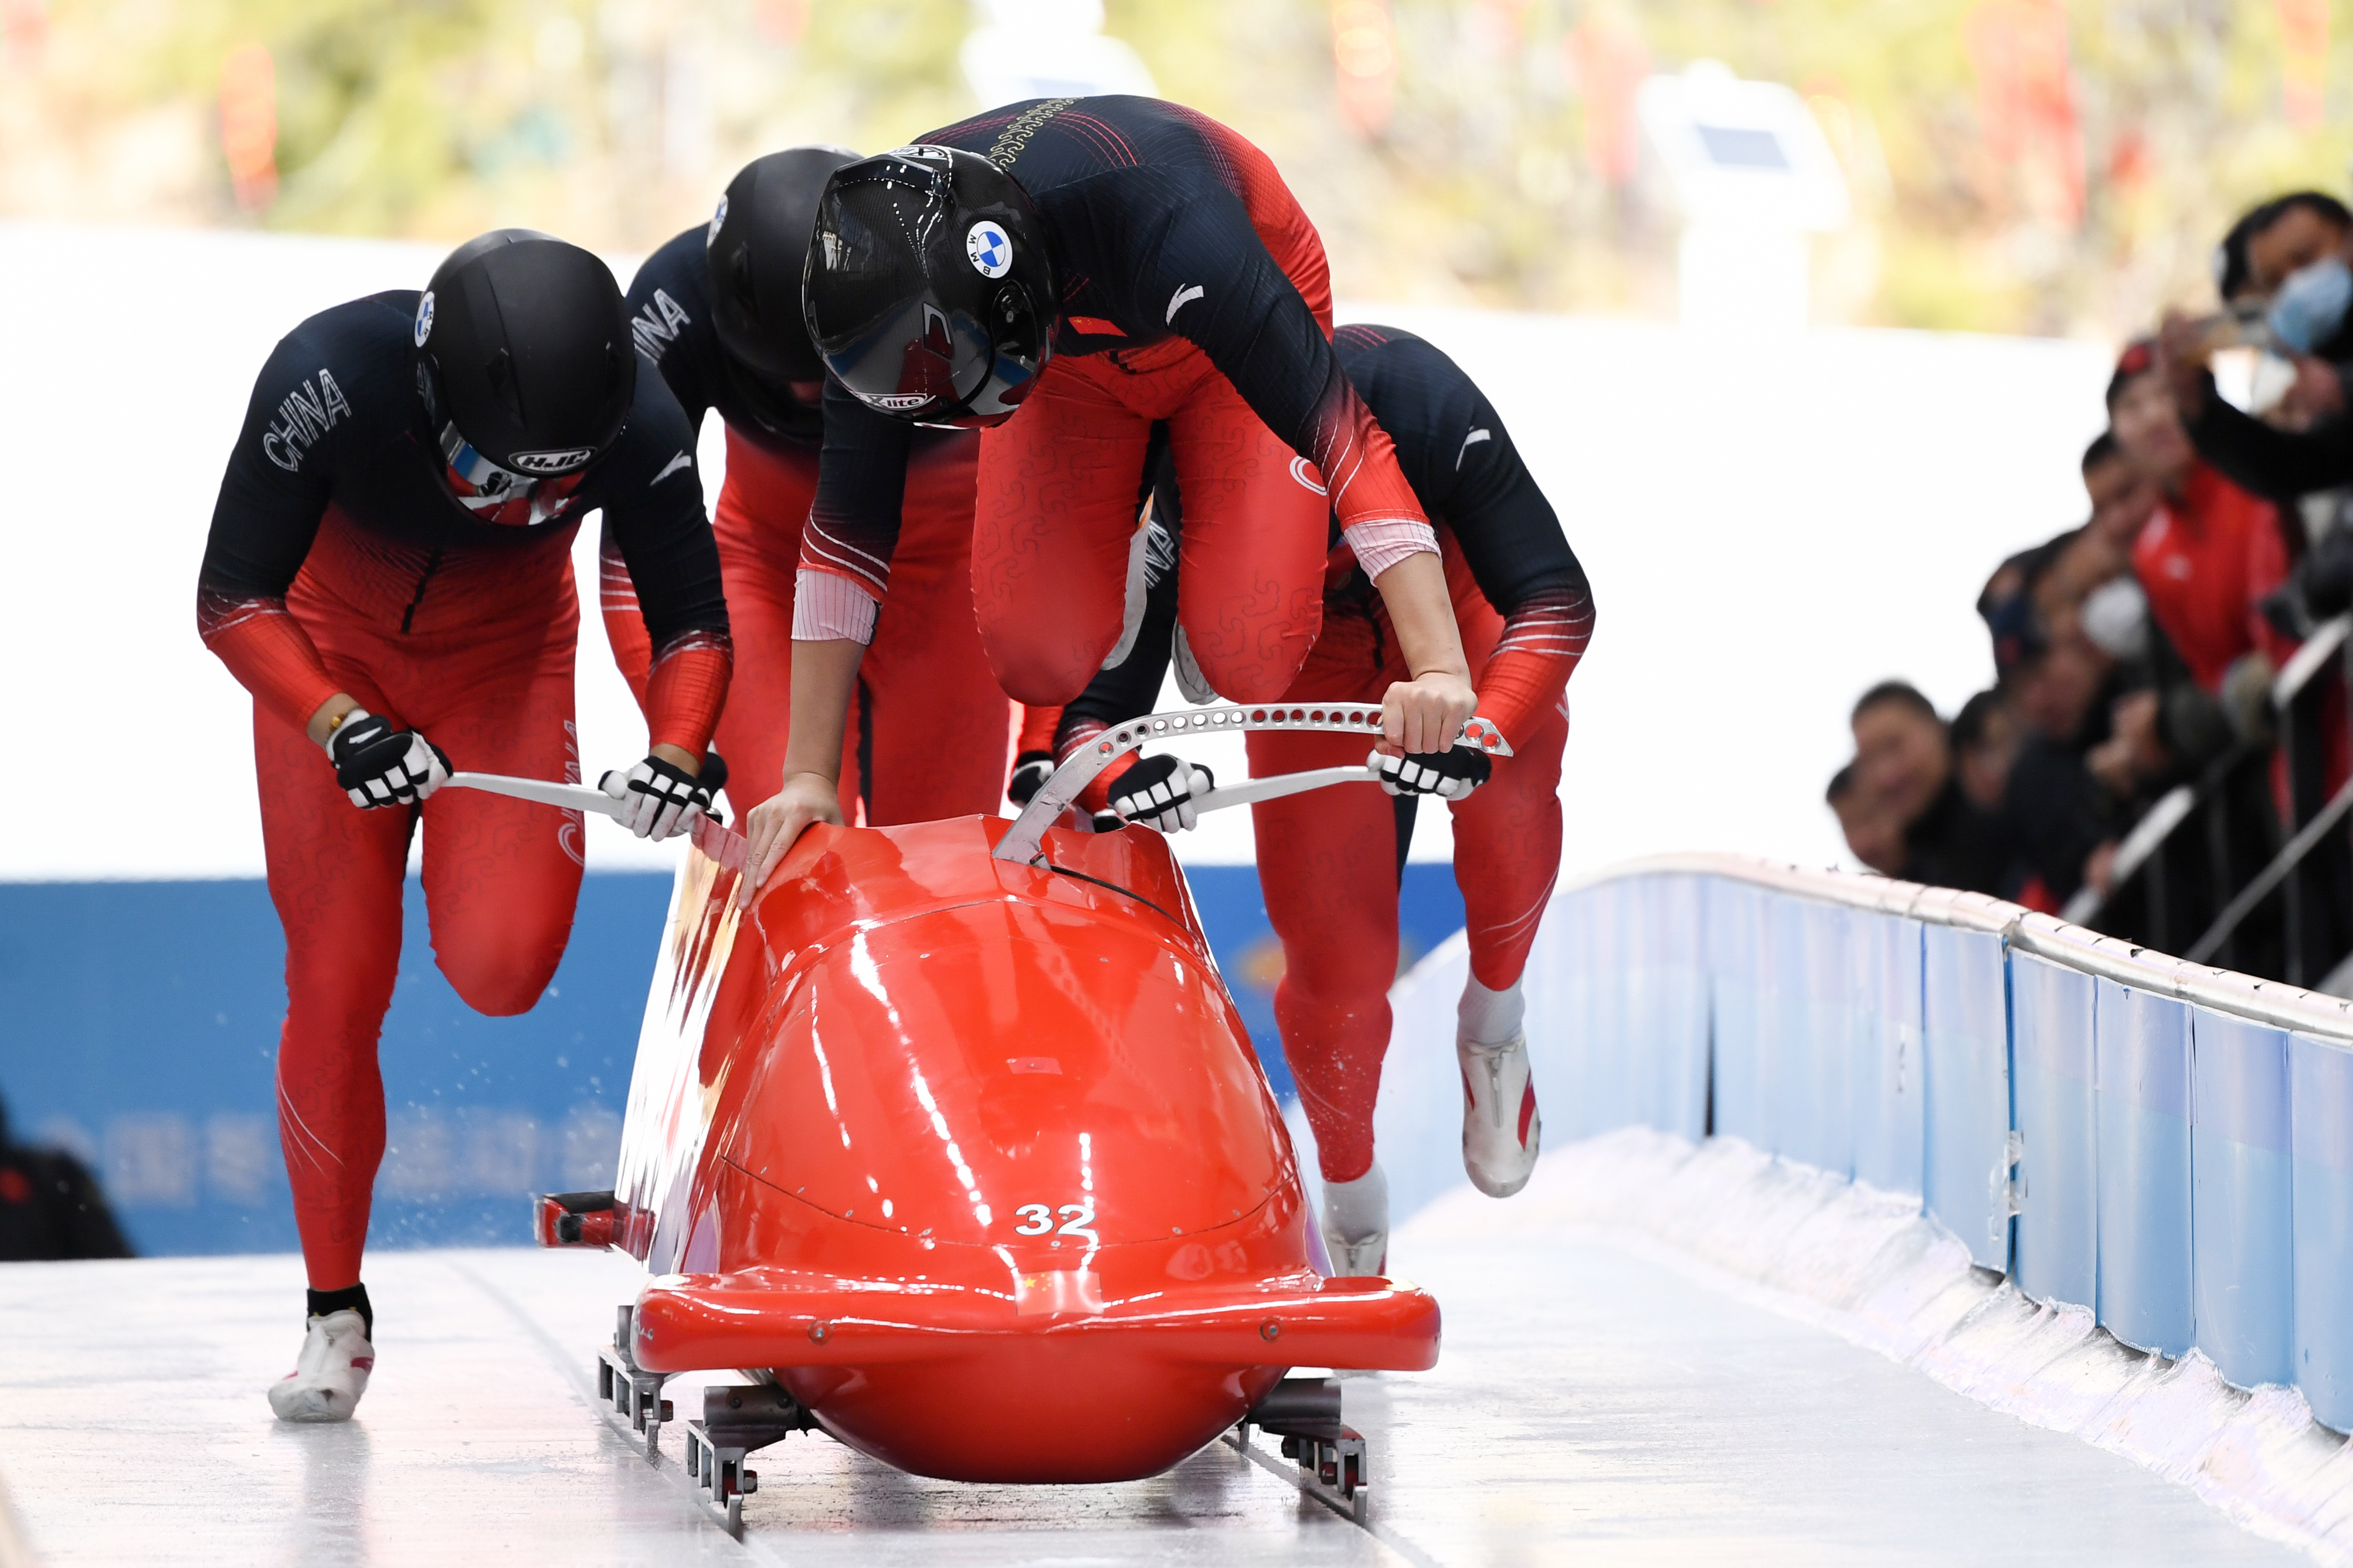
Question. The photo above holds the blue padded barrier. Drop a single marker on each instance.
(1824, 1098)
(2242, 1269)
(1966, 1067)
(2142, 1049)
(2168, 1145)
(1670, 994)
(1736, 961)
(1891, 1126)
(2051, 1009)
(2320, 1079)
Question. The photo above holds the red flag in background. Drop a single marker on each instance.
(248, 119)
(2026, 103)
(2303, 64)
(1608, 62)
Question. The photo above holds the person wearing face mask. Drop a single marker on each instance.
(2293, 256)
(718, 310)
(389, 573)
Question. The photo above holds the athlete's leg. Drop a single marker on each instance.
(1054, 509)
(501, 876)
(1250, 595)
(1327, 869)
(937, 726)
(1507, 833)
(335, 875)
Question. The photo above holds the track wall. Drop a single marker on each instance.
(2170, 1145)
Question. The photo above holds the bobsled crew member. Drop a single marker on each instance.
(1062, 274)
(718, 309)
(389, 573)
(1330, 883)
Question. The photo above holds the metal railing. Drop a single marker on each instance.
(2252, 866)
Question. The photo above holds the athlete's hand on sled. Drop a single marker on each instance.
(1425, 713)
(1030, 771)
(1159, 792)
(776, 821)
(1450, 775)
(377, 765)
(663, 798)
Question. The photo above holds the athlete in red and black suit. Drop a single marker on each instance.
(1526, 613)
(1065, 273)
(718, 309)
(389, 574)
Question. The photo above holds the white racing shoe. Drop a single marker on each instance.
(1501, 1128)
(1356, 1225)
(332, 1372)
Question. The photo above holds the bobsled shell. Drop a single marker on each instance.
(999, 1123)
(962, 1385)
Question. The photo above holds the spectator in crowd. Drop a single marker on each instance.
(1873, 836)
(1986, 738)
(1903, 766)
(2210, 551)
(50, 1206)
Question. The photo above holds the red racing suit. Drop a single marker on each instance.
(338, 561)
(929, 729)
(1195, 293)
(1329, 861)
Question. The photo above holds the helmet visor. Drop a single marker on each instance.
(501, 495)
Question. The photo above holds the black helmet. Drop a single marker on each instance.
(929, 293)
(525, 363)
(757, 250)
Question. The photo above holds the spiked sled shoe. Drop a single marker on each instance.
(1356, 1225)
(332, 1372)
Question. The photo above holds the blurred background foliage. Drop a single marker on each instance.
(2058, 166)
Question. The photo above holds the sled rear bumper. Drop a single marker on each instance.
(781, 1319)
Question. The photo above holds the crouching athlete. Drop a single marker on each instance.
(1323, 860)
(719, 310)
(389, 573)
(1063, 274)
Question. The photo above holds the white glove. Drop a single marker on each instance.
(1159, 792)
(1450, 775)
(377, 765)
(663, 798)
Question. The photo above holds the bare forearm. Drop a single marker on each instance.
(1414, 593)
(825, 677)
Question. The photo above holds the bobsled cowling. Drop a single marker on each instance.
(971, 1155)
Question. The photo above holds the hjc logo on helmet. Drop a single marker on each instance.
(561, 462)
(424, 318)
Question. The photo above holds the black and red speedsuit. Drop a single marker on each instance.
(1525, 612)
(929, 727)
(340, 561)
(1194, 292)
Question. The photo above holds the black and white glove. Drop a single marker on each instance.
(1159, 792)
(1030, 771)
(1450, 775)
(377, 765)
(663, 798)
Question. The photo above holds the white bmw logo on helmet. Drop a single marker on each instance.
(425, 318)
(990, 248)
(717, 219)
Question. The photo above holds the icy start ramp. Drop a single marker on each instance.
(1593, 1406)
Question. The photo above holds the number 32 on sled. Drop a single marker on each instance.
(972, 1157)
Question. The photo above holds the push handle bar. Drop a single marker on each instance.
(1069, 780)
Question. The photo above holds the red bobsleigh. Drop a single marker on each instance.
(953, 1141)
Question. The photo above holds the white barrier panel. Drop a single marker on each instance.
(2171, 1139)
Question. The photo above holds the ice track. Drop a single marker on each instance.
(1596, 1404)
